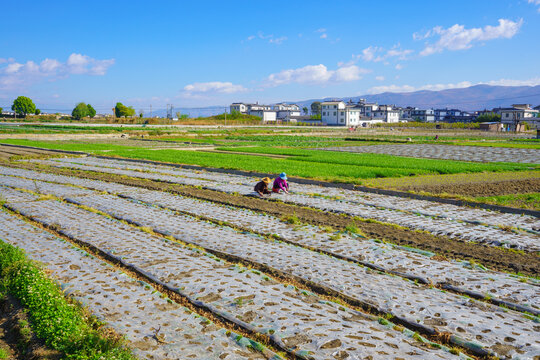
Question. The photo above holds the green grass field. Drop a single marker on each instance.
(315, 164)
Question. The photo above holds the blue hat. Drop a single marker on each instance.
(283, 176)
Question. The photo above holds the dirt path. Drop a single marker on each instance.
(492, 257)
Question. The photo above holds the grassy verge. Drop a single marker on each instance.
(525, 201)
(63, 326)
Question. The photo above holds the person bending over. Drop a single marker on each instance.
(262, 187)
(280, 184)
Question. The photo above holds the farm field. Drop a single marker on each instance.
(183, 262)
(252, 278)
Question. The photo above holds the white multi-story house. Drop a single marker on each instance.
(519, 112)
(389, 116)
(427, 115)
(360, 114)
(239, 107)
(286, 111)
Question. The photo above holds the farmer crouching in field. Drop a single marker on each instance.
(280, 184)
(262, 187)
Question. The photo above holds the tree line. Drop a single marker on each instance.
(24, 106)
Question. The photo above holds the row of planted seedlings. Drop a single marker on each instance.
(463, 276)
(498, 230)
(296, 320)
(151, 323)
(509, 290)
(422, 207)
(352, 290)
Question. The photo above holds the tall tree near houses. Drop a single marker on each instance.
(23, 106)
(80, 111)
(91, 111)
(316, 107)
(305, 110)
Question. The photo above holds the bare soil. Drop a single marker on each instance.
(14, 338)
(492, 257)
(524, 186)
(8, 152)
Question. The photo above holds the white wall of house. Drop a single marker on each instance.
(286, 114)
(286, 107)
(239, 108)
(518, 114)
(330, 113)
(266, 116)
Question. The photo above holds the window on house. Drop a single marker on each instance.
(342, 113)
(335, 113)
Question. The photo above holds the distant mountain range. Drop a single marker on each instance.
(476, 97)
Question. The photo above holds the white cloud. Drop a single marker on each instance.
(457, 37)
(399, 66)
(14, 75)
(377, 54)
(270, 38)
(535, 2)
(321, 30)
(316, 74)
(379, 78)
(13, 68)
(437, 87)
(323, 36)
(368, 54)
(278, 41)
(509, 82)
(400, 54)
(213, 87)
(83, 64)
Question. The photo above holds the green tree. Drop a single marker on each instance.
(1, 109)
(316, 107)
(305, 110)
(91, 111)
(23, 106)
(37, 112)
(80, 111)
(120, 110)
(489, 117)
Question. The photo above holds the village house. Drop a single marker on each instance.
(356, 114)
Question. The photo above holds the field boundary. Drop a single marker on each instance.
(402, 194)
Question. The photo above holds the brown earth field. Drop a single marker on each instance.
(8, 152)
(490, 256)
(474, 185)
(506, 187)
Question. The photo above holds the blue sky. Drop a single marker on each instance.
(195, 54)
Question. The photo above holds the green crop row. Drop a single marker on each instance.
(63, 326)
